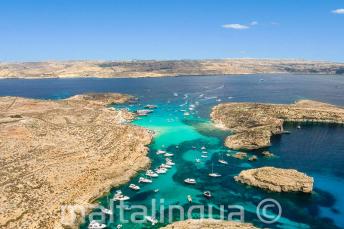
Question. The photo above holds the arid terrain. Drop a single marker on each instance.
(209, 224)
(70, 151)
(253, 124)
(154, 68)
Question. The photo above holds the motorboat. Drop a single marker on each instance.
(190, 181)
(145, 180)
(203, 148)
(207, 194)
(198, 160)
(204, 156)
(223, 162)
(160, 152)
(186, 113)
(151, 219)
(150, 106)
(96, 225)
(150, 173)
(170, 162)
(166, 166)
(161, 170)
(189, 198)
(107, 211)
(120, 197)
(168, 154)
(204, 152)
(143, 112)
(134, 187)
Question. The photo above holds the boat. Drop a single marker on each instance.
(107, 211)
(298, 127)
(190, 181)
(212, 174)
(134, 187)
(144, 112)
(223, 162)
(120, 197)
(160, 152)
(186, 113)
(207, 194)
(156, 190)
(193, 147)
(151, 219)
(169, 162)
(204, 156)
(198, 160)
(168, 154)
(189, 198)
(175, 94)
(149, 106)
(96, 225)
(144, 180)
(150, 173)
(203, 148)
(161, 170)
(204, 152)
(119, 226)
(166, 166)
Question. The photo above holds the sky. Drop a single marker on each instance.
(171, 29)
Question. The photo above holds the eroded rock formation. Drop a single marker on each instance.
(253, 124)
(62, 152)
(276, 179)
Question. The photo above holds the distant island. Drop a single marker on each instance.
(157, 68)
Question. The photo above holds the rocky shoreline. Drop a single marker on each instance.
(276, 179)
(64, 152)
(253, 124)
(158, 68)
(209, 223)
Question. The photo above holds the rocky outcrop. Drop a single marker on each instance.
(209, 223)
(156, 68)
(276, 179)
(56, 153)
(253, 124)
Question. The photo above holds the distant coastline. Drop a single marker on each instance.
(165, 68)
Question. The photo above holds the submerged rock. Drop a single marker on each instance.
(56, 153)
(276, 179)
(209, 223)
(253, 124)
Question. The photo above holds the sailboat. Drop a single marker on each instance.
(212, 174)
(222, 161)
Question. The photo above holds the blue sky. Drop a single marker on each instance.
(171, 29)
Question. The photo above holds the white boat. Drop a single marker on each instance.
(161, 170)
(299, 127)
(145, 180)
(166, 166)
(134, 187)
(212, 174)
(151, 219)
(203, 148)
(169, 162)
(150, 173)
(186, 113)
(175, 94)
(223, 162)
(198, 160)
(107, 211)
(96, 225)
(149, 106)
(143, 112)
(119, 226)
(120, 197)
(189, 198)
(190, 181)
(168, 154)
(204, 152)
(204, 156)
(207, 194)
(160, 152)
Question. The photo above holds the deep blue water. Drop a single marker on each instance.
(315, 149)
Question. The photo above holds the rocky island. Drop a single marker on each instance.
(253, 124)
(55, 153)
(276, 179)
(159, 68)
(209, 223)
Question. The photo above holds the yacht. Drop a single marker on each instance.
(151, 219)
(96, 225)
(204, 152)
(186, 113)
(150, 173)
(168, 154)
(120, 197)
(212, 174)
(161, 170)
(203, 148)
(134, 187)
(207, 194)
(149, 106)
(145, 180)
(160, 152)
(143, 112)
(223, 162)
(190, 181)
(169, 162)
(166, 166)
(204, 156)
(107, 211)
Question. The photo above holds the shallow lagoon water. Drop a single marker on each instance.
(315, 149)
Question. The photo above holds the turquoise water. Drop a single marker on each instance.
(315, 149)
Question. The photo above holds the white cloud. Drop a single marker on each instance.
(254, 23)
(235, 26)
(338, 11)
